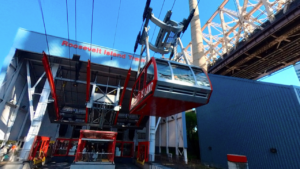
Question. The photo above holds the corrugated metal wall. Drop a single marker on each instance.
(248, 118)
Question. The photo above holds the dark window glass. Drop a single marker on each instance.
(142, 80)
(183, 73)
(127, 149)
(150, 73)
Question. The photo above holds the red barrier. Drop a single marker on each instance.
(143, 151)
(88, 136)
(40, 145)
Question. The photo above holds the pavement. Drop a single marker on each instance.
(11, 165)
(53, 165)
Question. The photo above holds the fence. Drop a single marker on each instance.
(93, 157)
(178, 162)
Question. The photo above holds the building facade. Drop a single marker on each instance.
(256, 119)
(297, 70)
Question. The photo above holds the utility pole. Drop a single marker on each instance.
(197, 41)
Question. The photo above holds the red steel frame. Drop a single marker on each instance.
(88, 85)
(122, 144)
(146, 157)
(165, 107)
(123, 93)
(145, 98)
(51, 83)
(68, 148)
(41, 143)
(98, 135)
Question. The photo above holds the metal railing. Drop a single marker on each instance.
(94, 157)
(178, 162)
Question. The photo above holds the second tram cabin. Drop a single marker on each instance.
(164, 88)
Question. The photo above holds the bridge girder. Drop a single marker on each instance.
(236, 25)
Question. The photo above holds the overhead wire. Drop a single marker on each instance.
(92, 31)
(41, 8)
(77, 102)
(75, 25)
(156, 25)
(116, 27)
(173, 5)
(69, 71)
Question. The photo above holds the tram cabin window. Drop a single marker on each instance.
(183, 73)
(150, 73)
(142, 81)
(135, 93)
(202, 80)
(163, 70)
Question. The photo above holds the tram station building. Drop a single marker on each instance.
(29, 110)
(254, 119)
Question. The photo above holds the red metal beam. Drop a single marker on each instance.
(51, 83)
(123, 93)
(88, 84)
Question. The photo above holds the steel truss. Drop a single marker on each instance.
(103, 108)
(227, 27)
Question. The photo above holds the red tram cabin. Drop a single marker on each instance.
(164, 88)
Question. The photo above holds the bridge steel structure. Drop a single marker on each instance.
(256, 39)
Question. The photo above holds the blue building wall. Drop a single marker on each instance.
(248, 117)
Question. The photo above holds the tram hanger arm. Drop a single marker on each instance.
(161, 51)
(172, 26)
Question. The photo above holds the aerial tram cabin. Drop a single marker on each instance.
(164, 88)
(167, 87)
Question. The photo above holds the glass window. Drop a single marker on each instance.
(183, 73)
(142, 80)
(72, 148)
(127, 149)
(150, 73)
(202, 80)
(118, 149)
(134, 95)
(61, 147)
(163, 70)
(141, 135)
